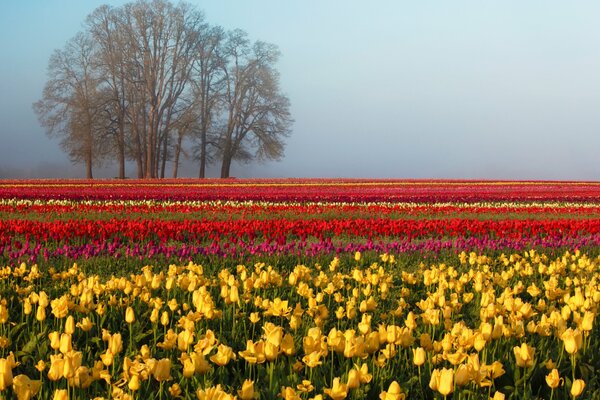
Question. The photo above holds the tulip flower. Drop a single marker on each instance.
(175, 390)
(524, 355)
(572, 340)
(162, 370)
(247, 391)
(61, 394)
(338, 391)
(24, 387)
(419, 356)
(577, 387)
(6, 376)
(393, 393)
(442, 381)
(129, 315)
(553, 379)
(223, 356)
(70, 325)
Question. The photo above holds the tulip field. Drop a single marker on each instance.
(299, 289)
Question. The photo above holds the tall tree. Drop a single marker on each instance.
(145, 76)
(257, 116)
(208, 84)
(105, 27)
(70, 108)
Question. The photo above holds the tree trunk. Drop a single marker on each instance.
(177, 153)
(226, 165)
(121, 149)
(88, 165)
(202, 173)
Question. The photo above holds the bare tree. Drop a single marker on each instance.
(105, 27)
(70, 108)
(147, 76)
(257, 115)
(208, 81)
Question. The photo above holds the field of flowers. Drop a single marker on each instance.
(299, 289)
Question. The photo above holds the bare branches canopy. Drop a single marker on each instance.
(151, 82)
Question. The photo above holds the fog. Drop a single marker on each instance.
(464, 89)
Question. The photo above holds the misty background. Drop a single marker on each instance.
(390, 89)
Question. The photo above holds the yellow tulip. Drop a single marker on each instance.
(288, 393)
(61, 394)
(175, 390)
(24, 387)
(129, 315)
(70, 325)
(134, 383)
(40, 366)
(162, 370)
(254, 353)
(462, 375)
(287, 345)
(65, 343)
(6, 366)
(338, 391)
(54, 340)
(572, 340)
(553, 379)
(247, 391)
(442, 381)
(86, 324)
(306, 386)
(353, 379)
(393, 393)
(419, 356)
(524, 355)
(271, 351)
(312, 359)
(56, 367)
(185, 339)
(587, 321)
(577, 387)
(83, 378)
(40, 314)
(223, 356)
(273, 333)
(154, 315)
(164, 318)
(60, 306)
(115, 343)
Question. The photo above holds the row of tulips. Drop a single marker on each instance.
(472, 327)
(280, 229)
(17, 251)
(257, 209)
(283, 190)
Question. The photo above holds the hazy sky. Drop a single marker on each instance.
(417, 89)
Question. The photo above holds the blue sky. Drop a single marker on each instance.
(419, 89)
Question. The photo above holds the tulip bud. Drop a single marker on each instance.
(419, 356)
(61, 394)
(164, 318)
(70, 325)
(134, 383)
(129, 315)
(54, 340)
(577, 387)
(40, 314)
(247, 392)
